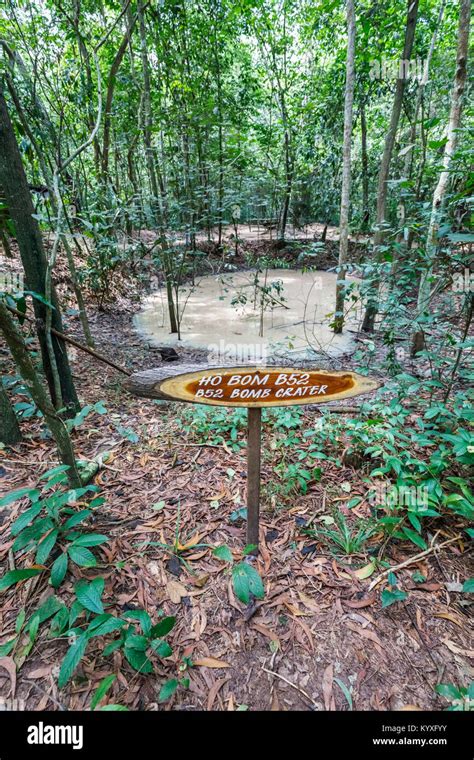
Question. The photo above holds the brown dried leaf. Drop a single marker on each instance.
(455, 649)
(448, 616)
(175, 591)
(211, 662)
(327, 687)
(358, 604)
(308, 602)
(8, 664)
(214, 691)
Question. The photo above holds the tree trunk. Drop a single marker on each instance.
(384, 172)
(47, 177)
(15, 185)
(10, 432)
(20, 354)
(346, 170)
(424, 294)
(110, 94)
(150, 162)
(407, 164)
(365, 169)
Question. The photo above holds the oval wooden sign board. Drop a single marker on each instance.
(250, 386)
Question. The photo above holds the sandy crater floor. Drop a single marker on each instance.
(212, 322)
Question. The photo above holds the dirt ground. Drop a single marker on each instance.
(318, 625)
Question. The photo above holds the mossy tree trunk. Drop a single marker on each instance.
(19, 351)
(10, 432)
(17, 194)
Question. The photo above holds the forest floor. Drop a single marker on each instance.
(318, 625)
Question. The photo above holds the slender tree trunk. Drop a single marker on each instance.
(20, 354)
(220, 193)
(150, 162)
(15, 185)
(110, 94)
(365, 168)
(10, 432)
(47, 177)
(424, 292)
(5, 242)
(346, 170)
(384, 172)
(288, 174)
(408, 159)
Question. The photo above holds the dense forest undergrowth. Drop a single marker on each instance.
(177, 141)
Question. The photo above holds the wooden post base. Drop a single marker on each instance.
(253, 475)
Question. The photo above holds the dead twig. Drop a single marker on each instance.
(408, 562)
(297, 688)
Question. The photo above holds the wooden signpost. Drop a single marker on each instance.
(254, 388)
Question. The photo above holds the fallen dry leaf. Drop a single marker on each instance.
(189, 544)
(328, 695)
(42, 672)
(455, 649)
(448, 616)
(211, 662)
(176, 591)
(308, 602)
(8, 664)
(358, 604)
(266, 632)
(214, 691)
(365, 572)
(367, 634)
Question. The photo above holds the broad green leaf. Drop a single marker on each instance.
(102, 689)
(112, 647)
(414, 537)
(51, 473)
(162, 648)
(32, 493)
(89, 596)
(25, 519)
(162, 628)
(82, 556)
(391, 597)
(142, 617)
(77, 518)
(6, 648)
(91, 539)
(448, 690)
(33, 533)
(247, 581)
(138, 660)
(167, 690)
(45, 547)
(107, 626)
(223, 553)
(72, 659)
(15, 576)
(468, 586)
(58, 570)
(136, 641)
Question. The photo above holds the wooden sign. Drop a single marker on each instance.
(252, 387)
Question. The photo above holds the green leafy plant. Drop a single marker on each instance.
(343, 538)
(392, 594)
(460, 697)
(140, 640)
(246, 580)
(50, 526)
